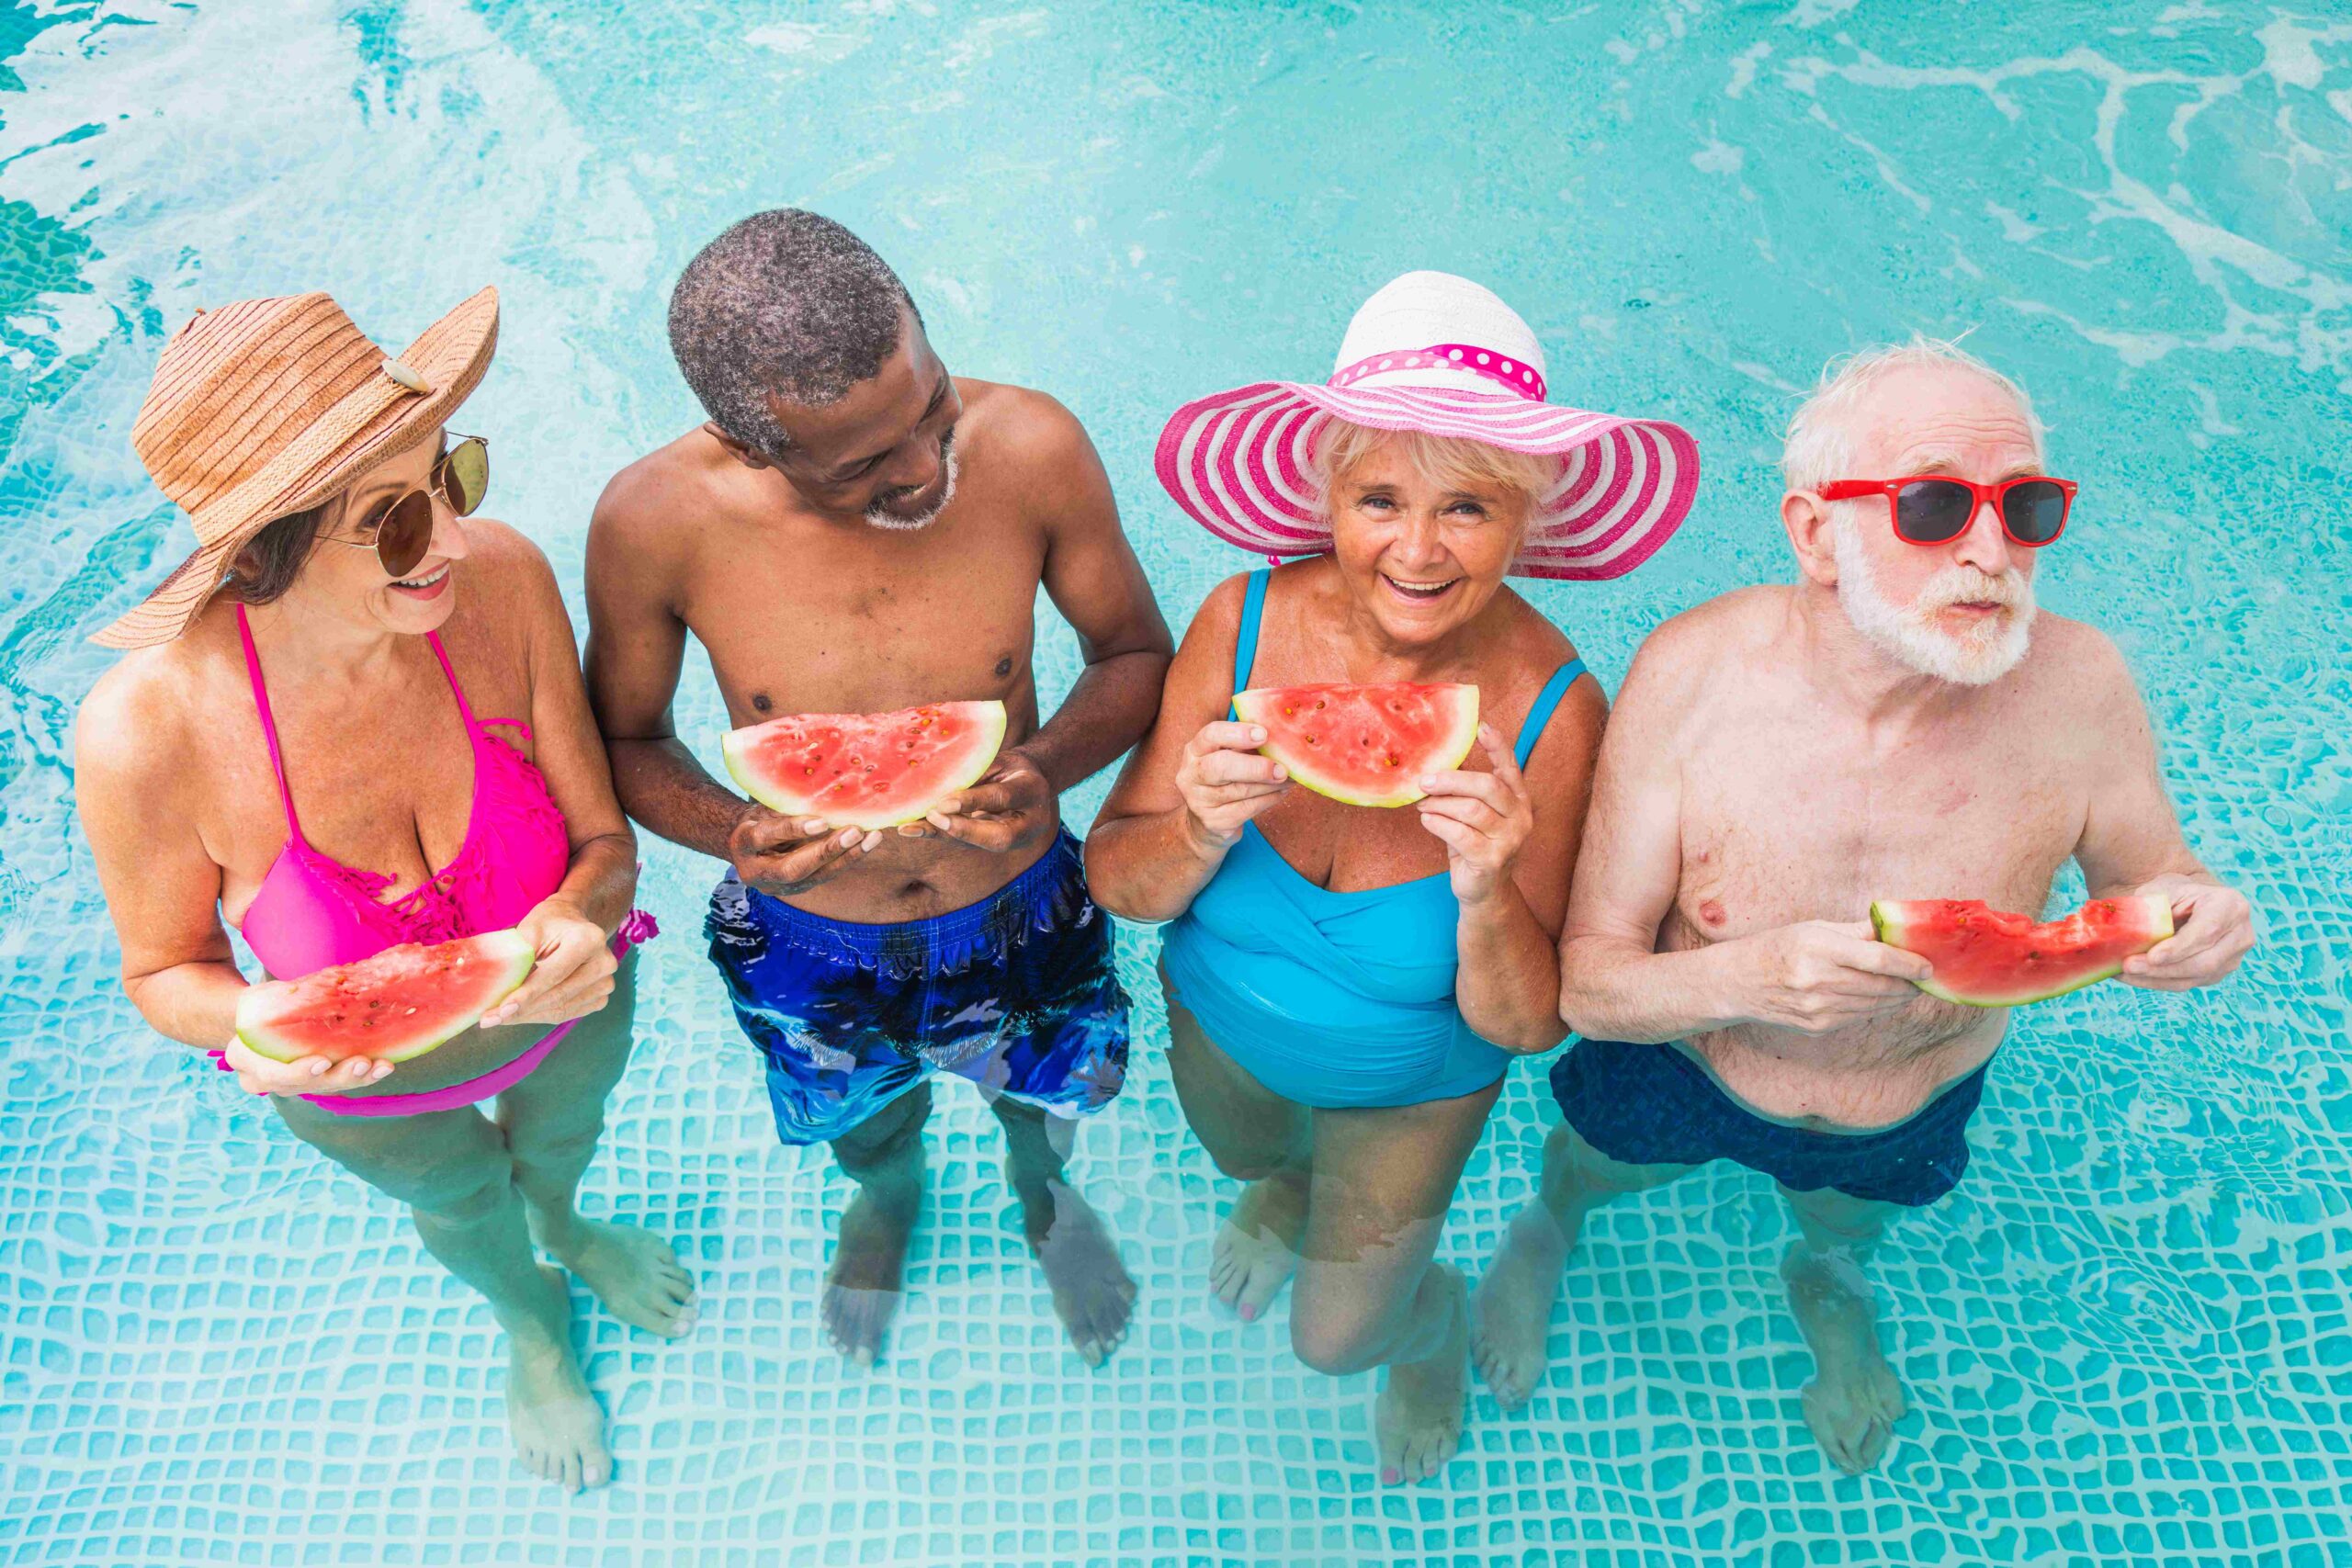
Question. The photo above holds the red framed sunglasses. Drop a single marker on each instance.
(1936, 509)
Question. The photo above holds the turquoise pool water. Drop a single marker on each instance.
(2125, 1337)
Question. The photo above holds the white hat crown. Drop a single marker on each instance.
(1421, 311)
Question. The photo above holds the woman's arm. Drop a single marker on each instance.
(137, 786)
(573, 926)
(139, 777)
(1188, 789)
(1511, 842)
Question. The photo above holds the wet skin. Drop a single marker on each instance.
(1768, 774)
(804, 606)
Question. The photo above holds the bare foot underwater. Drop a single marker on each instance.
(849, 496)
(1778, 760)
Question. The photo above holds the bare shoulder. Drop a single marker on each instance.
(1208, 641)
(2078, 667)
(645, 495)
(141, 718)
(511, 589)
(1674, 659)
(1030, 436)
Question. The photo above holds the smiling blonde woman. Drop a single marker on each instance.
(1348, 986)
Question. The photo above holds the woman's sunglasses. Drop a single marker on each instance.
(1937, 509)
(400, 530)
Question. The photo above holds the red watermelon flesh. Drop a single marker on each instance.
(866, 770)
(1986, 957)
(400, 1003)
(1364, 745)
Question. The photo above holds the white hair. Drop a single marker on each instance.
(1821, 444)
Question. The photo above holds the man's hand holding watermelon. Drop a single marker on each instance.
(1011, 809)
(2212, 929)
(783, 855)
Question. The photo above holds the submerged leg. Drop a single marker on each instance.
(883, 1155)
(552, 1120)
(1257, 1137)
(1093, 1293)
(1855, 1398)
(1369, 1292)
(454, 1171)
(1511, 1316)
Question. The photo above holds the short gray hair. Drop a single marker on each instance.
(783, 303)
(1820, 444)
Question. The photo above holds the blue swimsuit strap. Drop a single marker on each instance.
(1245, 658)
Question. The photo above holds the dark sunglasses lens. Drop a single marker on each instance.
(2034, 511)
(1932, 512)
(406, 533)
(465, 475)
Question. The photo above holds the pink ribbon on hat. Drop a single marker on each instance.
(1516, 375)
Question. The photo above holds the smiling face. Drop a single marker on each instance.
(343, 576)
(1424, 529)
(884, 451)
(1960, 611)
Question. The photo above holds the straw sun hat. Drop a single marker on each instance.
(1434, 352)
(268, 407)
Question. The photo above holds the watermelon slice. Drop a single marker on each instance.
(400, 1003)
(1986, 957)
(866, 770)
(1364, 745)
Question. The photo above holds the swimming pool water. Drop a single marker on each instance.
(2125, 1338)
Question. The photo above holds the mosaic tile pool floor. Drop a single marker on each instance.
(2127, 1338)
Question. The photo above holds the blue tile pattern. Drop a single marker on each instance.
(2125, 1338)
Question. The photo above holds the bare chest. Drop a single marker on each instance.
(849, 634)
(1783, 823)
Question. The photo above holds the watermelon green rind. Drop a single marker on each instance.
(975, 756)
(2142, 921)
(1447, 751)
(267, 1013)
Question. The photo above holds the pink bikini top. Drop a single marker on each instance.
(312, 911)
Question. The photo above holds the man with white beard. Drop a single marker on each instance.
(1899, 723)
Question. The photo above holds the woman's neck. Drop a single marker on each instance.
(315, 638)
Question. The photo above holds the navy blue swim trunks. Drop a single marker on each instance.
(1016, 993)
(1653, 1105)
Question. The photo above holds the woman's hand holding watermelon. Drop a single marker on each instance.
(257, 1074)
(1225, 783)
(572, 975)
(1482, 818)
(2212, 929)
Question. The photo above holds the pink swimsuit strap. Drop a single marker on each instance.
(516, 852)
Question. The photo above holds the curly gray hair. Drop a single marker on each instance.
(784, 302)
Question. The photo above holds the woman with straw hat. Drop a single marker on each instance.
(1347, 987)
(290, 748)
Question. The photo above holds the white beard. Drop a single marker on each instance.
(878, 518)
(1909, 635)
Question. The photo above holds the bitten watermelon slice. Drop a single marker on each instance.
(866, 770)
(1364, 745)
(400, 1003)
(1986, 957)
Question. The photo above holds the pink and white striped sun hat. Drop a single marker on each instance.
(1435, 353)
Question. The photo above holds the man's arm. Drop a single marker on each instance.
(1813, 977)
(1094, 579)
(2131, 842)
(636, 643)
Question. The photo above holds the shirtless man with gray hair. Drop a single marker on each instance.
(1899, 723)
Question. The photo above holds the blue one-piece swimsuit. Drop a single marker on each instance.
(1333, 1000)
